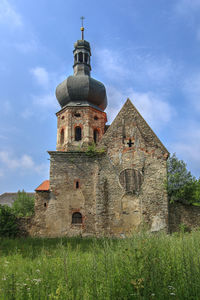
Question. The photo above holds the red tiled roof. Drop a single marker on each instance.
(44, 186)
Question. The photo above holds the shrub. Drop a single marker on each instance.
(92, 150)
(8, 222)
(181, 185)
(23, 206)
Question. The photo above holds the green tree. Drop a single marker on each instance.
(8, 222)
(23, 205)
(181, 185)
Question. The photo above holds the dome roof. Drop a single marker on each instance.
(81, 87)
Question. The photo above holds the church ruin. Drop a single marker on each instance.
(104, 180)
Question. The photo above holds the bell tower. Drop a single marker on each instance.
(81, 120)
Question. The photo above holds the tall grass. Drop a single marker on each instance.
(142, 267)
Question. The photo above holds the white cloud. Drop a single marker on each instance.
(27, 113)
(157, 70)
(192, 90)
(187, 146)
(155, 110)
(111, 62)
(41, 76)
(131, 65)
(187, 6)
(3, 137)
(27, 46)
(45, 101)
(23, 163)
(189, 10)
(8, 15)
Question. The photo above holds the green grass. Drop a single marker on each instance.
(142, 267)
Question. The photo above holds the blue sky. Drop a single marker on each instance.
(145, 50)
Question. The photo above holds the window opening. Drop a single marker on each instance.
(86, 58)
(76, 218)
(63, 117)
(62, 136)
(78, 133)
(96, 136)
(76, 57)
(130, 143)
(131, 180)
(96, 118)
(77, 184)
(77, 115)
(80, 55)
(45, 205)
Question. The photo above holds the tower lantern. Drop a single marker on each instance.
(83, 100)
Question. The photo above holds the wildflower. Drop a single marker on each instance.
(172, 294)
(36, 281)
(170, 287)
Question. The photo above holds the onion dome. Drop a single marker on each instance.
(81, 88)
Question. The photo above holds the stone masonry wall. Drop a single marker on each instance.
(87, 118)
(145, 156)
(64, 199)
(181, 214)
(118, 190)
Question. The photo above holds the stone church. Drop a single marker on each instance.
(104, 180)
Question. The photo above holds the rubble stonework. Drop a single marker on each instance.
(102, 182)
(107, 207)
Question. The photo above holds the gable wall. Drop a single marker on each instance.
(148, 157)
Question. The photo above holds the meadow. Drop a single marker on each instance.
(145, 266)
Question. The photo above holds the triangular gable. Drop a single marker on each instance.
(147, 133)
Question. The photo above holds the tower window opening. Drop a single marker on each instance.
(45, 205)
(76, 58)
(63, 117)
(130, 143)
(86, 58)
(62, 134)
(77, 115)
(80, 55)
(77, 184)
(96, 136)
(77, 218)
(78, 135)
(96, 118)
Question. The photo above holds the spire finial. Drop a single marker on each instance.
(82, 28)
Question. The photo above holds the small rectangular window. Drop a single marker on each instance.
(78, 133)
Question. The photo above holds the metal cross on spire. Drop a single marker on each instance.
(82, 28)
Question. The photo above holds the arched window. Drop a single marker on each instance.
(77, 218)
(86, 58)
(80, 55)
(131, 180)
(96, 136)
(76, 57)
(77, 184)
(62, 135)
(78, 136)
(77, 115)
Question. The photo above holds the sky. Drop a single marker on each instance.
(148, 51)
